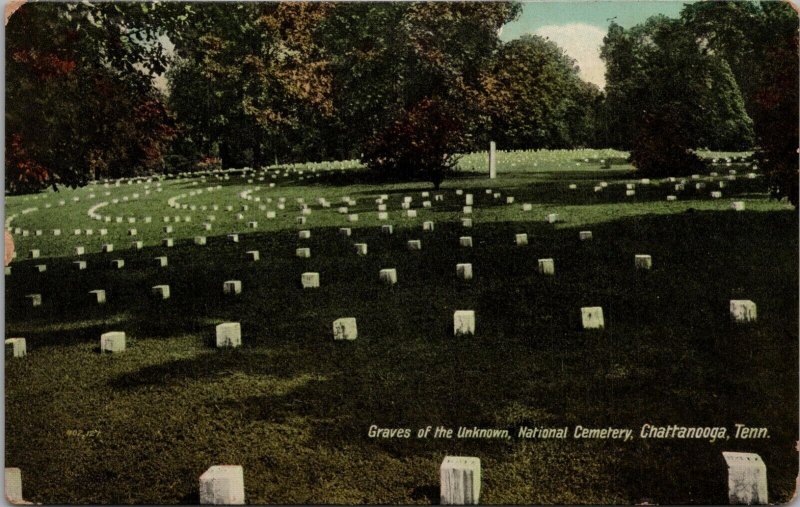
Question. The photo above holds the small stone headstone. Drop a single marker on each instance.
(79, 265)
(387, 229)
(34, 254)
(643, 261)
(466, 210)
(510, 199)
(521, 239)
(303, 253)
(547, 267)
(99, 296)
(352, 217)
(737, 205)
(592, 317)
(414, 244)
(412, 213)
(41, 268)
(388, 276)
(427, 226)
(13, 485)
(234, 238)
(345, 329)
(747, 479)
(460, 481)
(118, 263)
(464, 271)
(468, 200)
(16, 347)
(585, 235)
(345, 231)
(232, 287)
(672, 198)
(361, 248)
(168, 242)
(309, 280)
(466, 222)
(160, 291)
(742, 311)
(222, 485)
(253, 255)
(35, 299)
(161, 262)
(113, 341)
(465, 241)
(551, 218)
(464, 322)
(305, 234)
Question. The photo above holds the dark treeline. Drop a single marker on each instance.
(402, 86)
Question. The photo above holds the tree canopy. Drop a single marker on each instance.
(404, 86)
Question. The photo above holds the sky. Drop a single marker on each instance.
(578, 26)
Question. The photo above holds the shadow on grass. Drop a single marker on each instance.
(668, 355)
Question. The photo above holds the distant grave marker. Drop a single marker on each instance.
(642, 261)
(345, 329)
(309, 280)
(388, 276)
(742, 311)
(232, 287)
(592, 317)
(464, 322)
(464, 271)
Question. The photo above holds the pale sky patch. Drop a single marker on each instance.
(581, 42)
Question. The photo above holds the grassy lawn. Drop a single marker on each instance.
(293, 407)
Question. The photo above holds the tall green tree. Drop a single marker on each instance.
(404, 66)
(760, 43)
(249, 73)
(658, 67)
(539, 100)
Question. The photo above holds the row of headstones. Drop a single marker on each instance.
(229, 334)
(427, 226)
(459, 482)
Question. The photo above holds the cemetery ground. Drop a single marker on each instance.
(293, 406)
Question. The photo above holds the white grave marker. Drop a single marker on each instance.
(222, 485)
(345, 329)
(113, 341)
(747, 478)
(464, 322)
(592, 317)
(460, 481)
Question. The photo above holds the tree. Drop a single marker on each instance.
(538, 100)
(80, 97)
(760, 43)
(658, 66)
(248, 76)
(395, 64)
